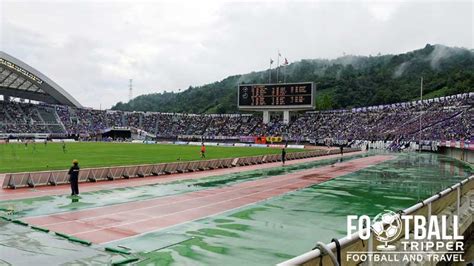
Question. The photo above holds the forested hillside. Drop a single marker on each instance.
(348, 81)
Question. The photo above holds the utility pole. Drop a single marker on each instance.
(421, 109)
(130, 91)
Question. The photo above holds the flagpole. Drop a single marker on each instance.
(285, 66)
(270, 72)
(278, 65)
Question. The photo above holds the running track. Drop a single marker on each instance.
(110, 223)
(22, 193)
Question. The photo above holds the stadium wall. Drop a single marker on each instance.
(459, 154)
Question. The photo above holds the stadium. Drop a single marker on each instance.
(277, 181)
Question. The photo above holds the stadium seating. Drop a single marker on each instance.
(443, 118)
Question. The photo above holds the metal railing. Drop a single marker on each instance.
(57, 177)
(430, 206)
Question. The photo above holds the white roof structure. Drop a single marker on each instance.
(17, 79)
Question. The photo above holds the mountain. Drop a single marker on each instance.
(348, 81)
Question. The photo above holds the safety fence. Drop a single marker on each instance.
(43, 178)
(438, 204)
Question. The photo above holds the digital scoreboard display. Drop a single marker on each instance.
(276, 96)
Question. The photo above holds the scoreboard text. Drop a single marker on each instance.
(276, 96)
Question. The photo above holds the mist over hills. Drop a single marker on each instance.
(344, 82)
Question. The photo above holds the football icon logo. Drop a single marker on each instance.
(387, 227)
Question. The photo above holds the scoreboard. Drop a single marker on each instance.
(276, 96)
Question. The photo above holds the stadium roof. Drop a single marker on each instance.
(17, 79)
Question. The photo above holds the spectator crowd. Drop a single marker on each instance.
(443, 118)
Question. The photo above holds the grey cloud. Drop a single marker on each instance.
(401, 69)
(93, 48)
(441, 52)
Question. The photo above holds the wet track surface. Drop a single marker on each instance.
(277, 227)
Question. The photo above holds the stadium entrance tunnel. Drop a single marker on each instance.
(117, 133)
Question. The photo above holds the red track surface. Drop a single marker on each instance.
(110, 223)
(21, 193)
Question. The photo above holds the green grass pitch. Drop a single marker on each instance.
(40, 157)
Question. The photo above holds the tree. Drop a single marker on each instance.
(349, 81)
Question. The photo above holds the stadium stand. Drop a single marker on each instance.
(444, 118)
(440, 121)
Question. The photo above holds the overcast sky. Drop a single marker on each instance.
(93, 48)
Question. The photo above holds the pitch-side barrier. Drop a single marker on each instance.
(45, 178)
(451, 201)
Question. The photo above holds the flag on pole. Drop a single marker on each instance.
(271, 61)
